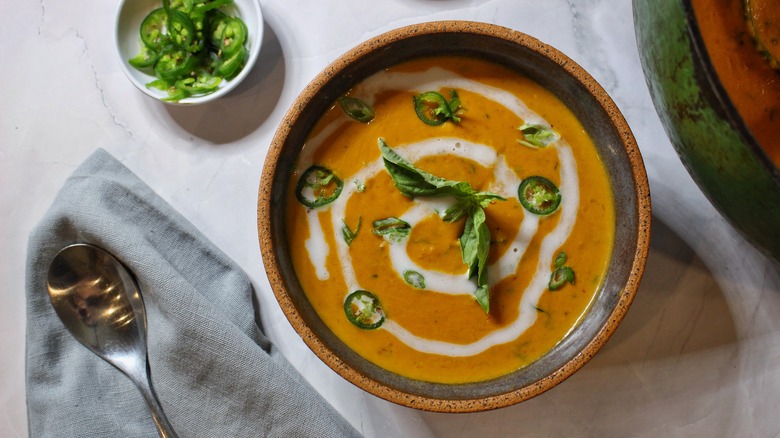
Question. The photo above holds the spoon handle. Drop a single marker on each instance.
(160, 420)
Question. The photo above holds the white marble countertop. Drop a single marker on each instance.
(697, 355)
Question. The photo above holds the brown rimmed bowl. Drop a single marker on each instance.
(600, 117)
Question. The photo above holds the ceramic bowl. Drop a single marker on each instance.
(712, 140)
(601, 119)
(131, 13)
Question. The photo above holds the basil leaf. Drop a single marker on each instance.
(412, 181)
(415, 279)
(482, 294)
(475, 239)
(392, 229)
(469, 241)
(475, 247)
(462, 207)
(479, 268)
(455, 106)
(465, 205)
(347, 233)
(537, 136)
(484, 198)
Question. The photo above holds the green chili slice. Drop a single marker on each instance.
(176, 94)
(159, 84)
(357, 109)
(216, 42)
(364, 310)
(180, 28)
(561, 276)
(560, 260)
(217, 22)
(233, 36)
(205, 7)
(318, 186)
(432, 108)
(201, 84)
(174, 63)
(232, 65)
(539, 195)
(199, 38)
(415, 279)
(392, 229)
(153, 29)
(145, 58)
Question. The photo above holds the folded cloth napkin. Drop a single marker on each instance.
(214, 371)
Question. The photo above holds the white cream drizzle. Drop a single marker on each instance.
(505, 183)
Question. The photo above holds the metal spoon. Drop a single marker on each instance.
(99, 302)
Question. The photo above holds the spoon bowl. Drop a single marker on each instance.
(100, 303)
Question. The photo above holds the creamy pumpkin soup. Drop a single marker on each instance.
(450, 220)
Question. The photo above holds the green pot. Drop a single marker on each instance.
(711, 139)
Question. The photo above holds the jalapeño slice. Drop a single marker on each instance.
(318, 186)
(357, 109)
(561, 276)
(364, 310)
(539, 195)
(432, 108)
(234, 34)
(181, 29)
(173, 64)
(415, 279)
(153, 29)
(232, 65)
(145, 58)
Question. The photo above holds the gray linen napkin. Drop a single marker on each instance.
(214, 371)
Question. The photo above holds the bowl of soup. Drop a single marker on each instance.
(454, 216)
(712, 71)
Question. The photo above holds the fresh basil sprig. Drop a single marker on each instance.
(392, 229)
(469, 203)
(537, 136)
(347, 232)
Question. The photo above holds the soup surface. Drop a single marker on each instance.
(746, 74)
(408, 252)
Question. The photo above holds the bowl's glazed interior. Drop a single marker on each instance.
(603, 122)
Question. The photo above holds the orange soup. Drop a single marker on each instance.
(450, 220)
(745, 72)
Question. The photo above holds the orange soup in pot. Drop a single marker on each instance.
(734, 32)
(450, 220)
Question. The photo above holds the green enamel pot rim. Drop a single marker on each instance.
(717, 93)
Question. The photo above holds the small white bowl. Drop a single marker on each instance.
(128, 43)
